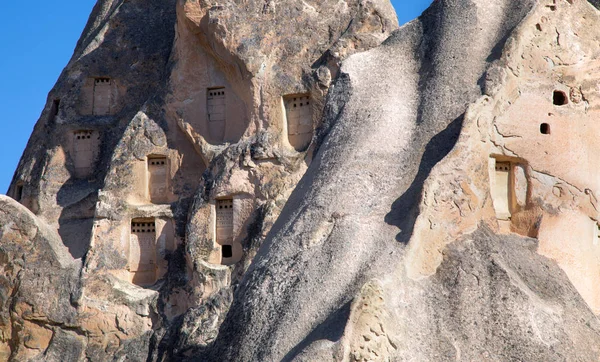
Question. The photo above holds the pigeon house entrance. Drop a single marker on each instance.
(157, 179)
(225, 228)
(227, 251)
(502, 190)
(298, 112)
(84, 155)
(215, 104)
(102, 96)
(142, 252)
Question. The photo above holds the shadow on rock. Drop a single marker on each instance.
(405, 209)
(331, 329)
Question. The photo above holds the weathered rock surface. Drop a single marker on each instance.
(166, 109)
(43, 316)
(394, 182)
(303, 181)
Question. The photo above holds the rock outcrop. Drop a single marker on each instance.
(168, 148)
(304, 181)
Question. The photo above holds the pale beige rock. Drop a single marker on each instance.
(366, 334)
(166, 110)
(537, 122)
(405, 215)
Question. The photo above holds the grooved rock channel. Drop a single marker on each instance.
(306, 181)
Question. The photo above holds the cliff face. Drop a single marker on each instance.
(303, 181)
(384, 250)
(167, 149)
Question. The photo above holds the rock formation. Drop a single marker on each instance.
(305, 181)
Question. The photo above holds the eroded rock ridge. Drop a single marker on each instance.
(305, 181)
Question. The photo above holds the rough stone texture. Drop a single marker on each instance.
(34, 261)
(136, 90)
(395, 182)
(378, 241)
(43, 315)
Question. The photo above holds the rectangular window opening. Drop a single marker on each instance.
(55, 105)
(142, 252)
(227, 251)
(298, 109)
(102, 96)
(224, 210)
(216, 110)
(502, 190)
(84, 152)
(54, 110)
(216, 104)
(19, 192)
(158, 172)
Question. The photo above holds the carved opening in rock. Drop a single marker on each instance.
(54, 110)
(55, 105)
(298, 113)
(560, 98)
(215, 106)
(502, 190)
(142, 252)
(102, 96)
(545, 128)
(158, 179)
(224, 221)
(224, 227)
(227, 251)
(85, 145)
(19, 192)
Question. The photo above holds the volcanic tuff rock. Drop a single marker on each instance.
(168, 112)
(303, 181)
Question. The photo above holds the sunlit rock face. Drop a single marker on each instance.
(166, 152)
(305, 181)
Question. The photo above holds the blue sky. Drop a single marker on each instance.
(36, 42)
